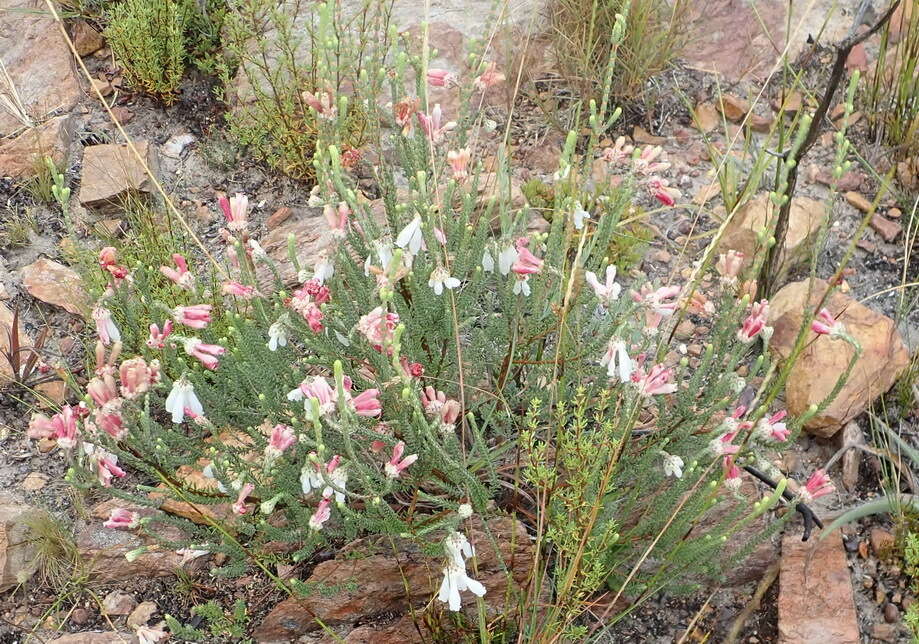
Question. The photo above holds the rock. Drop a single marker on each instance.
(661, 256)
(278, 217)
(900, 21)
(894, 213)
(882, 542)
(791, 102)
(857, 59)
(857, 201)
(313, 237)
(106, 637)
(17, 550)
(118, 603)
(142, 614)
(891, 614)
(884, 356)
(368, 580)
(38, 62)
(20, 158)
(80, 616)
(102, 86)
(34, 481)
(867, 246)
(122, 114)
(804, 221)
(849, 181)
(111, 174)
(851, 435)
(193, 478)
(733, 108)
(6, 323)
(908, 173)
(643, 137)
(56, 284)
(174, 147)
(885, 633)
(886, 228)
(706, 117)
(815, 601)
(759, 123)
(684, 330)
(706, 193)
(86, 40)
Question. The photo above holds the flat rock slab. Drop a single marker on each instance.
(21, 157)
(37, 60)
(816, 604)
(112, 173)
(54, 283)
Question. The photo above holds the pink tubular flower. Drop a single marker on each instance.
(826, 324)
(235, 211)
(489, 78)
(321, 515)
(397, 464)
(383, 430)
(40, 426)
(282, 437)
(411, 369)
(378, 327)
(337, 218)
(206, 354)
(527, 263)
(108, 261)
(722, 446)
(433, 125)
(137, 376)
(120, 518)
(618, 153)
(403, 111)
(236, 289)
(107, 467)
(773, 428)
(65, 429)
(755, 322)
(102, 389)
(108, 419)
(661, 190)
(657, 381)
(157, 338)
(180, 274)
(731, 474)
(441, 78)
(367, 403)
(105, 327)
(436, 404)
(817, 485)
(646, 162)
(459, 160)
(196, 316)
(729, 265)
(239, 506)
(323, 102)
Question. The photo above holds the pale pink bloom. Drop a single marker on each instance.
(772, 427)
(441, 78)
(180, 275)
(378, 327)
(367, 403)
(40, 426)
(527, 263)
(282, 437)
(433, 125)
(337, 218)
(151, 634)
(411, 369)
(316, 290)
(608, 291)
(722, 446)
(645, 163)
(319, 389)
(826, 324)
(236, 289)
(305, 301)
(121, 518)
(662, 301)
(450, 413)
(397, 464)
(432, 400)
(196, 316)
(817, 485)
(404, 110)
(618, 153)
(459, 160)
(313, 316)
(383, 430)
(157, 338)
(656, 381)
(240, 507)
(102, 389)
(489, 78)
(754, 324)
(731, 474)
(235, 211)
(106, 465)
(661, 190)
(137, 376)
(439, 236)
(108, 419)
(323, 102)
(206, 354)
(321, 515)
(106, 365)
(105, 327)
(338, 476)
(729, 265)
(700, 304)
(65, 427)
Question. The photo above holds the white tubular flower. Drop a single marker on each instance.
(183, 397)
(458, 548)
(488, 263)
(455, 581)
(277, 333)
(506, 259)
(673, 465)
(410, 237)
(579, 215)
(522, 285)
(607, 292)
(441, 279)
(617, 361)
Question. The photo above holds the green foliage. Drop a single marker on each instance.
(149, 40)
(223, 625)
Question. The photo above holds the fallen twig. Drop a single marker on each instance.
(810, 519)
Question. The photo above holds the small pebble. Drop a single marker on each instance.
(891, 614)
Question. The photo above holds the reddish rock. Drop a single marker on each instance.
(733, 108)
(857, 59)
(122, 114)
(112, 173)
(17, 550)
(856, 200)
(815, 600)
(368, 579)
(824, 359)
(278, 217)
(56, 284)
(22, 156)
(882, 542)
(759, 123)
(94, 637)
(643, 137)
(886, 228)
(86, 39)
(118, 603)
(706, 117)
